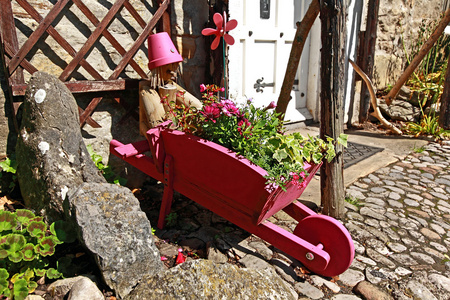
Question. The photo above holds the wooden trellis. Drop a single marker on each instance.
(16, 57)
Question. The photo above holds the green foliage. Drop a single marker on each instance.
(171, 219)
(255, 133)
(25, 241)
(9, 165)
(354, 201)
(106, 171)
(429, 76)
(429, 125)
(419, 149)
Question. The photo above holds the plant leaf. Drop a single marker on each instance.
(7, 221)
(63, 231)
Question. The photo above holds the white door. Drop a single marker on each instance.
(258, 59)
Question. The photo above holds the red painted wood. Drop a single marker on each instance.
(167, 198)
(280, 199)
(140, 161)
(334, 238)
(133, 149)
(234, 188)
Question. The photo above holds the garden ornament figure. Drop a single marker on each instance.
(164, 60)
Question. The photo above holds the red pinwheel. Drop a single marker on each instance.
(222, 27)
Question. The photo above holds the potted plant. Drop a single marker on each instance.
(258, 134)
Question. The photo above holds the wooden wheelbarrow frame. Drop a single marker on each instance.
(235, 189)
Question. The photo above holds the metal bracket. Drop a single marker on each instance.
(259, 85)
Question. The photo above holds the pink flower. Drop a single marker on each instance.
(202, 88)
(222, 89)
(229, 108)
(295, 177)
(270, 106)
(302, 175)
(211, 112)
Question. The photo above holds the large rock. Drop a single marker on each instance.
(203, 279)
(113, 227)
(52, 157)
(400, 110)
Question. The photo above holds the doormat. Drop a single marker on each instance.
(355, 153)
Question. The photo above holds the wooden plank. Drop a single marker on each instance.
(109, 36)
(9, 38)
(88, 86)
(148, 28)
(59, 39)
(91, 40)
(135, 14)
(35, 36)
(24, 64)
(89, 109)
(89, 120)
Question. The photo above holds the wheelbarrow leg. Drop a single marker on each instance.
(168, 191)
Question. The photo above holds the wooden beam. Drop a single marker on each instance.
(444, 115)
(88, 86)
(368, 56)
(333, 35)
(298, 43)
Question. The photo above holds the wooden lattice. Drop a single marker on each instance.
(17, 58)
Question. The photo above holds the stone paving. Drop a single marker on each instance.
(399, 219)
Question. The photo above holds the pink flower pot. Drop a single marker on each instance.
(161, 51)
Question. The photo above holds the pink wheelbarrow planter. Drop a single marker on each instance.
(235, 189)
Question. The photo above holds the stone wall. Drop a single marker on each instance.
(399, 21)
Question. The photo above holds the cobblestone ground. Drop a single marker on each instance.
(399, 220)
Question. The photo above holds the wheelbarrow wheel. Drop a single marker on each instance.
(335, 239)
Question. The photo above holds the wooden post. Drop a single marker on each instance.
(298, 43)
(333, 34)
(444, 116)
(368, 56)
(170, 91)
(426, 47)
(151, 110)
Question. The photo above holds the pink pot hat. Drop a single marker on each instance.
(161, 50)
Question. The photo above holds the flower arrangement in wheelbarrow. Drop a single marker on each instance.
(258, 134)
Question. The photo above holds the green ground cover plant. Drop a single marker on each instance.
(25, 245)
